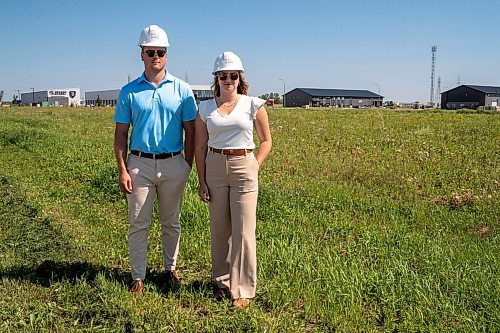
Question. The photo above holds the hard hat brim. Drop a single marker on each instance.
(153, 44)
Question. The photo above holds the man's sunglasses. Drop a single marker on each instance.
(232, 76)
(151, 53)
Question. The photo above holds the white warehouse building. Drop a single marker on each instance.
(110, 97)
(53, 97)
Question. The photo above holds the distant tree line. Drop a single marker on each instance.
(275, 96)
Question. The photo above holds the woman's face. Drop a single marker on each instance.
(228, 80)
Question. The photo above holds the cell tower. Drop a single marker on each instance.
(434, 50)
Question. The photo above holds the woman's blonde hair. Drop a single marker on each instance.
(242, 85)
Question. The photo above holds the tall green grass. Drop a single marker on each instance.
(368, 220)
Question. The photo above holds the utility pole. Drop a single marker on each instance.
(283, 91)
(33, 96)
(438, 92)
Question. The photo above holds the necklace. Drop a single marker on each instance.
(226, 104)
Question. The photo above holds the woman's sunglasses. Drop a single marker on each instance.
(151, 53)
(232, 76)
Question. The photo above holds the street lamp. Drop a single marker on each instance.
(283, 91)
(33, 96)
(378, 87)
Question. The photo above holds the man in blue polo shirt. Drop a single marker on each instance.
(161, 110)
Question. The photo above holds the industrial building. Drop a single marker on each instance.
(52, 97)
(106, 97)
(202, 92)
(471, 97)
(110, 97)
(341, 98)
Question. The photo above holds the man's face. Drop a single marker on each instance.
(154, 58)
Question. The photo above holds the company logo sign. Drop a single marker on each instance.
(63, 93)
(58, 92)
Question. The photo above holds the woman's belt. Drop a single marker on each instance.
(238, 152)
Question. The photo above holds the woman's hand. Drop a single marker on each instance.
(203, 193)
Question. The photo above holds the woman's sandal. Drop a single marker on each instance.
(241, 303)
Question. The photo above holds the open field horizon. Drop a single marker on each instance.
(368, 220)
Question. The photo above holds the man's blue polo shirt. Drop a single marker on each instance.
(156, 114)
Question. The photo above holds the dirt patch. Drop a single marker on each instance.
(483, 231)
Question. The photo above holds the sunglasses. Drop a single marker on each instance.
(232, 76)
(151, 53)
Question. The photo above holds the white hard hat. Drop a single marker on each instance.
(153, 35)
(228, 61)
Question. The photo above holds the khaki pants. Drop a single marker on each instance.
(233, 186)
(166, 178)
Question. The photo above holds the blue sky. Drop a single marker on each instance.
(380, 45)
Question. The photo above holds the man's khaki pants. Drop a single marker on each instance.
(233, 186)
(166, 178)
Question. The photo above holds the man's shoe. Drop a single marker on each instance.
(221, 293)
(173, 281)
(241, 303)
(137, 287)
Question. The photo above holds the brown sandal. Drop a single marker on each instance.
(241, 303)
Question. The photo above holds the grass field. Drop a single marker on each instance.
(368, 221)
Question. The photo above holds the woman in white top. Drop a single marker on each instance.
(228, 175)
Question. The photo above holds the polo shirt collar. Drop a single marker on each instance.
(168, 78)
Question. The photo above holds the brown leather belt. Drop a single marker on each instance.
(238, 152)
(161, 156)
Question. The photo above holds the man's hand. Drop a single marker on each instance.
(125, 183)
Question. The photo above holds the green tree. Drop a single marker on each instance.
(275, 96)
(98, 101)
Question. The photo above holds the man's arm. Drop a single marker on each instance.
(189, 141)
(201, 147)
(121, 149)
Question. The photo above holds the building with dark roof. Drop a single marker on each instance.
(341, 98)
(470, 97)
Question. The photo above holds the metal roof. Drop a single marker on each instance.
(485, 89)
(317, 92)
(200, 87)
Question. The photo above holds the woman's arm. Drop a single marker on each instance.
(264, 133)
